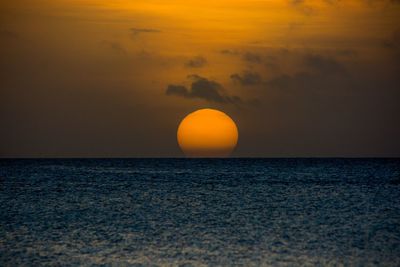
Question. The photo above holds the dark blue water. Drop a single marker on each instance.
(181, 212)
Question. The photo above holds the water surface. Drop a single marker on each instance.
(200, 212)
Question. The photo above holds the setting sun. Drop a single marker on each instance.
(207, 133)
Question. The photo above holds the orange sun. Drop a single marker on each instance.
(207, 133)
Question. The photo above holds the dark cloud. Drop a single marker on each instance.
(178, 90)
(137, 31)
(203, 88)
(252, 57)
(321, 72)
(316, 68)
(323, 64)
(207, 89)
(247, 78)
(196, 62)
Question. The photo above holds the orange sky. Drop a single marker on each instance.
(299, 77)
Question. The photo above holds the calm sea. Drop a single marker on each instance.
(200, 212)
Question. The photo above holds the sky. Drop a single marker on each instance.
(301, 78)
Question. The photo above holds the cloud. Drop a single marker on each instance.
(247, 78)
(178, 90)
(252, 57)
(202, 88)
(196, 62)
(323, 64)
(137, 31)
(318, 73)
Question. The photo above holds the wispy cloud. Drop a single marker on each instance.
(137, 31)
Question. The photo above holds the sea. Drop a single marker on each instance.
(200, 212)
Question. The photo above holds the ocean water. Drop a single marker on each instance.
(200, 212)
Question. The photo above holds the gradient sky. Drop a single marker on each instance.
(91, 78)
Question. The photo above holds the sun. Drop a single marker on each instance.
(207, 133)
